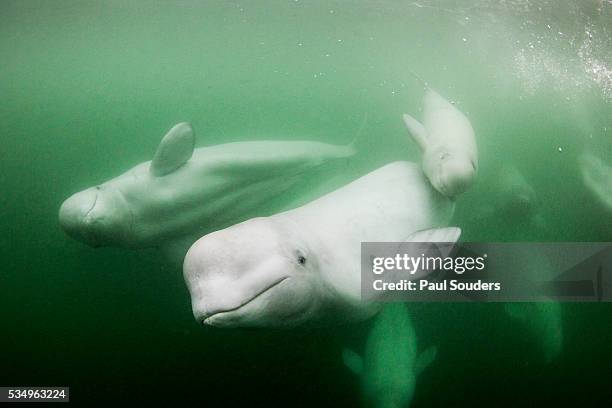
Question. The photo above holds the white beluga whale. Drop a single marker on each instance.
(391, 363)
(446, 137)
(597, 177)
(304, 265)
(184, 193)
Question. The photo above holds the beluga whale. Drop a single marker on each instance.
(303, 266)
(515, 198)
(185, 192)
(391, 363)
(446, 137)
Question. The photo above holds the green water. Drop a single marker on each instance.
(88, 88)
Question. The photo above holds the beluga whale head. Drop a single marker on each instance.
(111, 214)
(454, 171)
(97, 216)
(258, 273)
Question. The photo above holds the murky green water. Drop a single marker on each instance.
(88, 88)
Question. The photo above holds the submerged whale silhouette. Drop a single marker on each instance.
(513, 201)
(391, 363)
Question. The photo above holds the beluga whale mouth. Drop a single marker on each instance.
(217, 317)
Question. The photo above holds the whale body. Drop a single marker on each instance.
(446, 137)
(184, 193)
(304, 265)
(391, 362)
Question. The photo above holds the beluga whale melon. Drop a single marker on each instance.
(184, 192)
(446, 137)
(303, 266)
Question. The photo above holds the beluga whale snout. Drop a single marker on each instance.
(454, 176)
(95, 217)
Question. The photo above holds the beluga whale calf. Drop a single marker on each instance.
(446, 137)
(391, 363)
(184, 192)
(303, 266)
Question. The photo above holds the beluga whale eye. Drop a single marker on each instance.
(301, 259)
